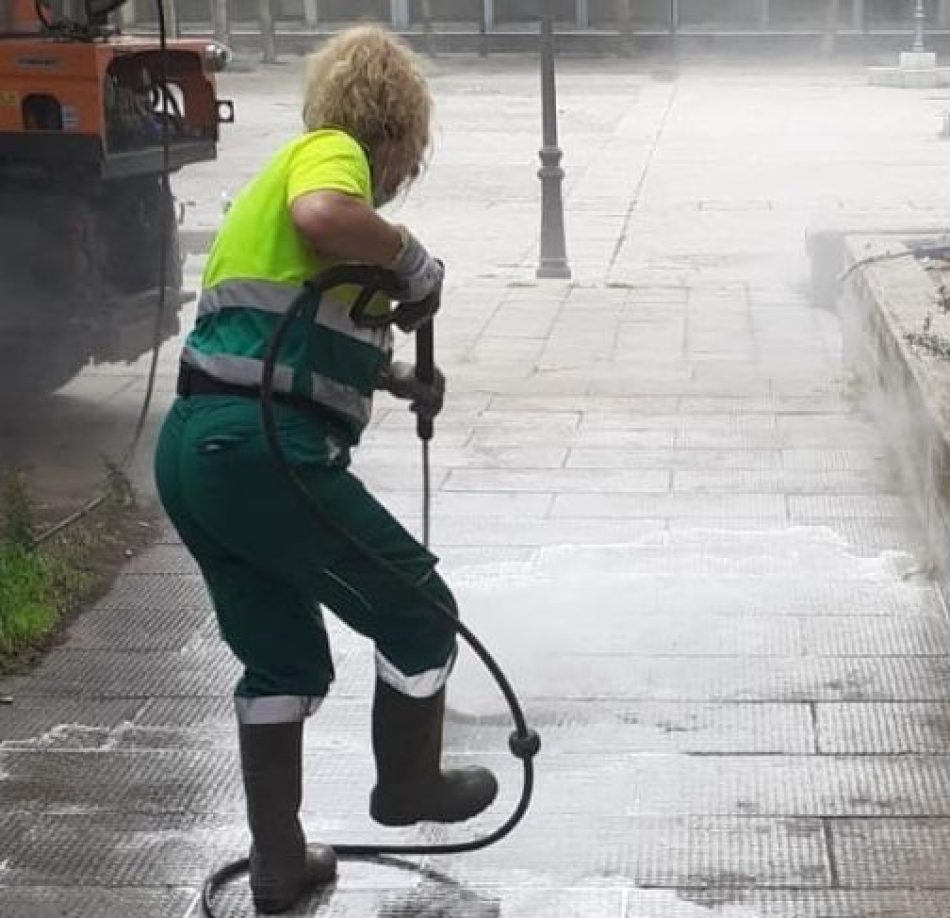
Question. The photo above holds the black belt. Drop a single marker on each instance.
(192, 381)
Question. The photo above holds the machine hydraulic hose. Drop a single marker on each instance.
(523, 742)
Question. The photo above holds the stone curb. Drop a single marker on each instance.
(826, 246)
(909, 78)
(883, 305)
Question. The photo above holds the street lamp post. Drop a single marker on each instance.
(553, 255)
(919, 20)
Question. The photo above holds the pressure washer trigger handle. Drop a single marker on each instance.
(425, 371)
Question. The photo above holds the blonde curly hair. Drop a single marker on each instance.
(368, 83)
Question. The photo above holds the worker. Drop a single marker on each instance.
(269, 566)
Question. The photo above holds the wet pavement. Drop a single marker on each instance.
(659, 502)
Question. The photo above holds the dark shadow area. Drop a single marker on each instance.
(64, 428)
(384, 887)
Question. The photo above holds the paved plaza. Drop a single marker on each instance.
(657, 496)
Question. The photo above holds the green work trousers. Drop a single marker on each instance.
(270, 565)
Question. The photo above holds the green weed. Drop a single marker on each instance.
(37, 583)
(28, 597)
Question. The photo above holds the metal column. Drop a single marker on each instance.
(553, 256)
(830, 37)
(427, 26)
(859, 19)
(485, 22)
(624, 22)
(399, 14)
(171, 19)
(920, 22)
(125, 15)
(220, 22)
(582, 13)
(311, 13)
(265, 18)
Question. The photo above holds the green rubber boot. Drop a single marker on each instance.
(282, 867)
(410, 785)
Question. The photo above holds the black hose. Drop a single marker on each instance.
(44, 20)
(921, 250)
(524, 742)
(165, 197)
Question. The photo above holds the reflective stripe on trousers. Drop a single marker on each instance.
(275, 709)
(420, 685)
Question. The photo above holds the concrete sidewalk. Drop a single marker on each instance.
(658, 500)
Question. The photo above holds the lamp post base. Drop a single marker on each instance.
(553, 269)
(552, 261)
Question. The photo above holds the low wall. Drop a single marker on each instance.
(897, 339)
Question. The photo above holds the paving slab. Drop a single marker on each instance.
(875, 852)
(885, 728)
(655, 851)
(835, 903)
(83, 902)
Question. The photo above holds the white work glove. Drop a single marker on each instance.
(399, 379)
(417, 272)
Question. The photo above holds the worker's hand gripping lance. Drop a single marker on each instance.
(413, 317)
(417, 317)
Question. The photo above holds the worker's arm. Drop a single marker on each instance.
(342, 226)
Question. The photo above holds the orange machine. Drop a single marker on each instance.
(89, 121)
(19, 16)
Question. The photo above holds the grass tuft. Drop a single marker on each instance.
(37, 583)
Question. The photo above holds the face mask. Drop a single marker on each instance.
(381, 198)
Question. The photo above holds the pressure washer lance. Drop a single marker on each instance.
(425, 373)
(523, 742)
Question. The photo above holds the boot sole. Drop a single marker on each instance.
(396, 820)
